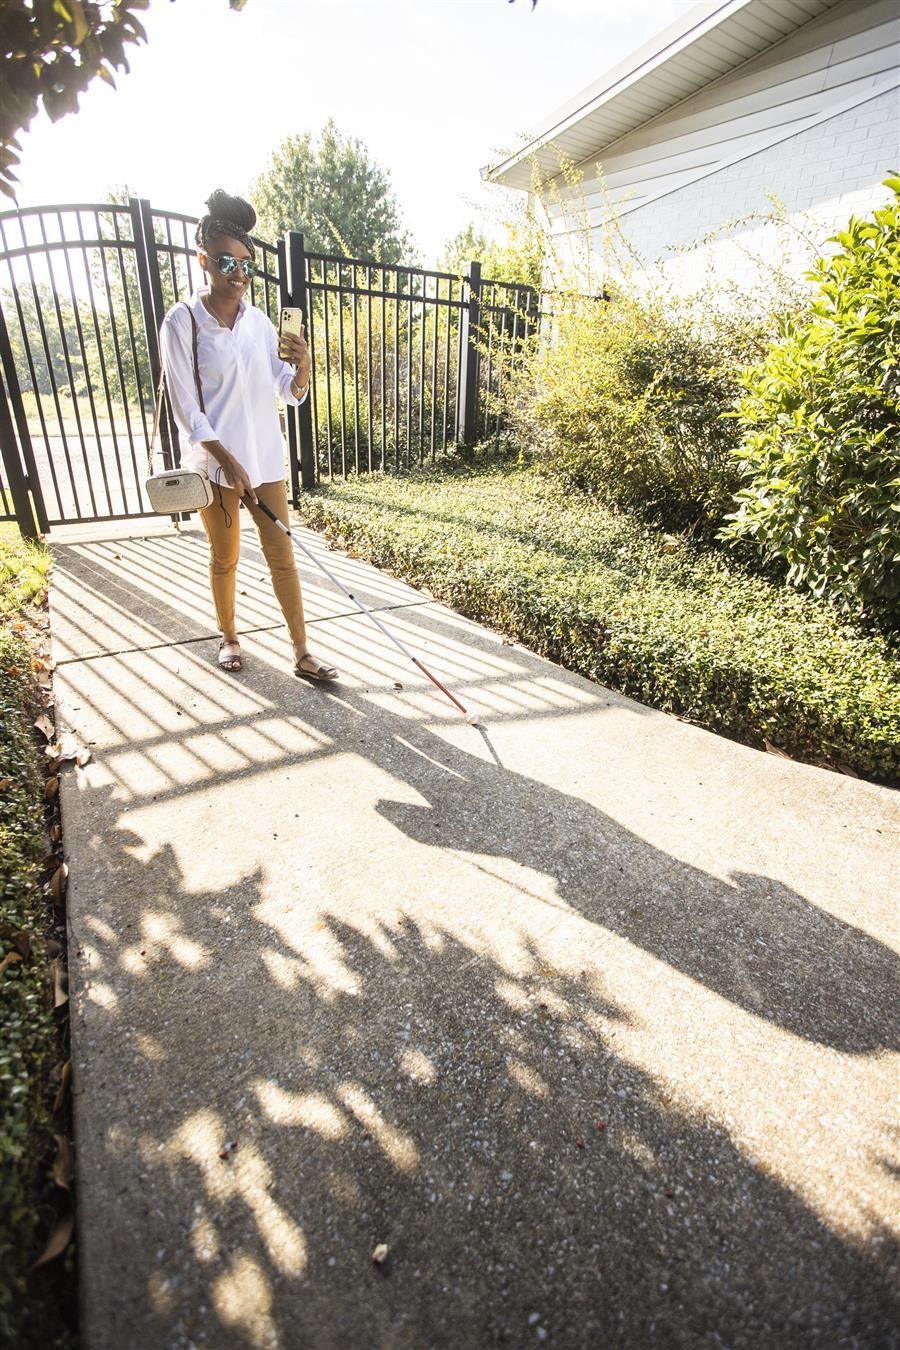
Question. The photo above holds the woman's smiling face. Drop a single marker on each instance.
(225, 285)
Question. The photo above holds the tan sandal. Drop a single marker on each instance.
(230, 662)
(317, 670)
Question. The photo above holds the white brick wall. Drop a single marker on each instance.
(822, 176)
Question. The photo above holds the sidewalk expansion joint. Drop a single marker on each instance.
(244, 632)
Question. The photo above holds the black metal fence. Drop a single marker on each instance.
(405, 362)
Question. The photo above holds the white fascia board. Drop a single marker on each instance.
(673, 39)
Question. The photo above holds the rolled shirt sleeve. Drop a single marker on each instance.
(176, 344)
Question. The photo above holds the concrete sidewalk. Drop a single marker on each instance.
(587, 1014)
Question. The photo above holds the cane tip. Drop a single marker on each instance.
(472, 719)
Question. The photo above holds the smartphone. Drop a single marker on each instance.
(291, 322)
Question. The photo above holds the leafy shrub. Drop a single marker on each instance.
(626, 401)
(821, 430)
(671, 624)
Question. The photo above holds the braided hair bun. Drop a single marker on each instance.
(227, 216)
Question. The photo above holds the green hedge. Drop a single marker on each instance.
(668, 623)
(28, 1046)
(36, 1310)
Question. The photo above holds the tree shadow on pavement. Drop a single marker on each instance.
(268, 1117)
(752, 940)
(275, 1075)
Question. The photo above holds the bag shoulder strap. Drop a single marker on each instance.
(162, 376)
(194, 354)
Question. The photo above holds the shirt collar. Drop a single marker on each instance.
(202, 314)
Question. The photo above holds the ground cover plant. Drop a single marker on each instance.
(671, 623)
(35, 1310)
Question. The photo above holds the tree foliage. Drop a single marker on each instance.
(517, 258)
(821, 423)
(50, 51)
(335, 194)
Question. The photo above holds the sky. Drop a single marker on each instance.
(435, 89)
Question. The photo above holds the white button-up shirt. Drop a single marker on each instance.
(241, 374)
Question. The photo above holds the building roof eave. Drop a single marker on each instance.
(700, 47)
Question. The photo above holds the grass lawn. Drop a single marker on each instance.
(36, 1310)
(673, 625)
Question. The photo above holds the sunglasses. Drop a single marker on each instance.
(227, 264)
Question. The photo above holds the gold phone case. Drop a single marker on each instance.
(291, 321)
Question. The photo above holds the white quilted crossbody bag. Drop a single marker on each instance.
(179, 489)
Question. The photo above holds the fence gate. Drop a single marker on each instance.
(404, 361)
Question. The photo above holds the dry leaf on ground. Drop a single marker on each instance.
(9, 959)
(59, 1241)
(51, 787)
(22, 943)
(44, 725)
(60, 983)
(65, 1079)
(63, 1167)
(68, 747)
(57, 885)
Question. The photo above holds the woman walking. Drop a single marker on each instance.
(224, 369)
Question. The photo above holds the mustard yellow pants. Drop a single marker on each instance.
(222, 523)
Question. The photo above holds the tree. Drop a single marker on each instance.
(517, 259)
(26, 337)
(50, 51)
(330, 190)
(467, 245)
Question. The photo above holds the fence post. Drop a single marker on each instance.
(18, 483)
(24, 487)
(152, 312)
(467, 396)
(293, 290)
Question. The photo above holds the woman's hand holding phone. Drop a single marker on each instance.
(292, 345)
(292, 348)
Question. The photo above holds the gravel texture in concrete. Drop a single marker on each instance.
(586, 1015)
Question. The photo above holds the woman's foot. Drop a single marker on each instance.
(311, 667)
(229, 657)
